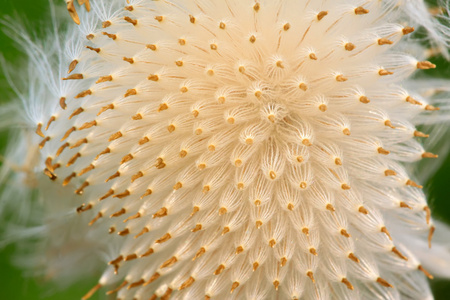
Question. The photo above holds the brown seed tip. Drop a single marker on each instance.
(195, 210)
(92, 292)
(197, 227)
(62, 102)
(353, 257)
(272, 175)
(345, 233)
(153, 278)
(234, 286)
(93, 49)
(429, 155)
(73, 77)
(431, 108)
(276, 284)
(160, 164)
(225, 230)
(72, 66)
(361, 11)
(118, 213)
(384, 282)
(131, 21)
(39, 130)
(430, 235)
(345, 186)
(153, 77)
(363, 210)
(411, 100)
(364, 99)
(323, 108)
(130, 92)
(303, 87)
(306, 142)
(84, 208)
(404, 205)
(425, 65)
(398, 253)
(423, 270)
(383, 72)
(310, 274)
(117, 289)
(384, 41)
(98, 216)
(341, 78)
(164, 238)
(388, 123)
(126, 158)
(219, 269)
(428, 214)
(88, 125)
(124, 232)
(104, 79)
(108, 194)
(187, 283)
(421, 134)
(321, 15)
(255, 266)
(349, 46)
(147, 253)
(330, 207)
(171, 261)
(50, 174)
(73, 13)
(136, 284)
(272, 243)
(87, 169)
(162, 212)
(135, 216)
(106, 24)
(222, 211)
(152, 47)
(143, 231)
(413, 184)
(407, 30)
(386, 232)
(347, 283)
(199, 253)
(390, 173)
(68, 179)
(239, 250)
(83, 94)
(383, 151)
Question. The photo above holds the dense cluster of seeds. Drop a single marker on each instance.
(245, 149)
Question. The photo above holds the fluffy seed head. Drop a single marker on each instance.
(243, 149)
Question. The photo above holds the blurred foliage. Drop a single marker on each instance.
(16, 285)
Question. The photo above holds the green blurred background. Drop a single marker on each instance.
(15, 285)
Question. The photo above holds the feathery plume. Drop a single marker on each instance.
(235, 149)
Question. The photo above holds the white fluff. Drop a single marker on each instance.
(240, 149)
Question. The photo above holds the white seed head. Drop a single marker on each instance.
(238, 149)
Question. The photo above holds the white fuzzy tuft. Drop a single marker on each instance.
(234, 149)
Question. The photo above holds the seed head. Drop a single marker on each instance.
(242, 149)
